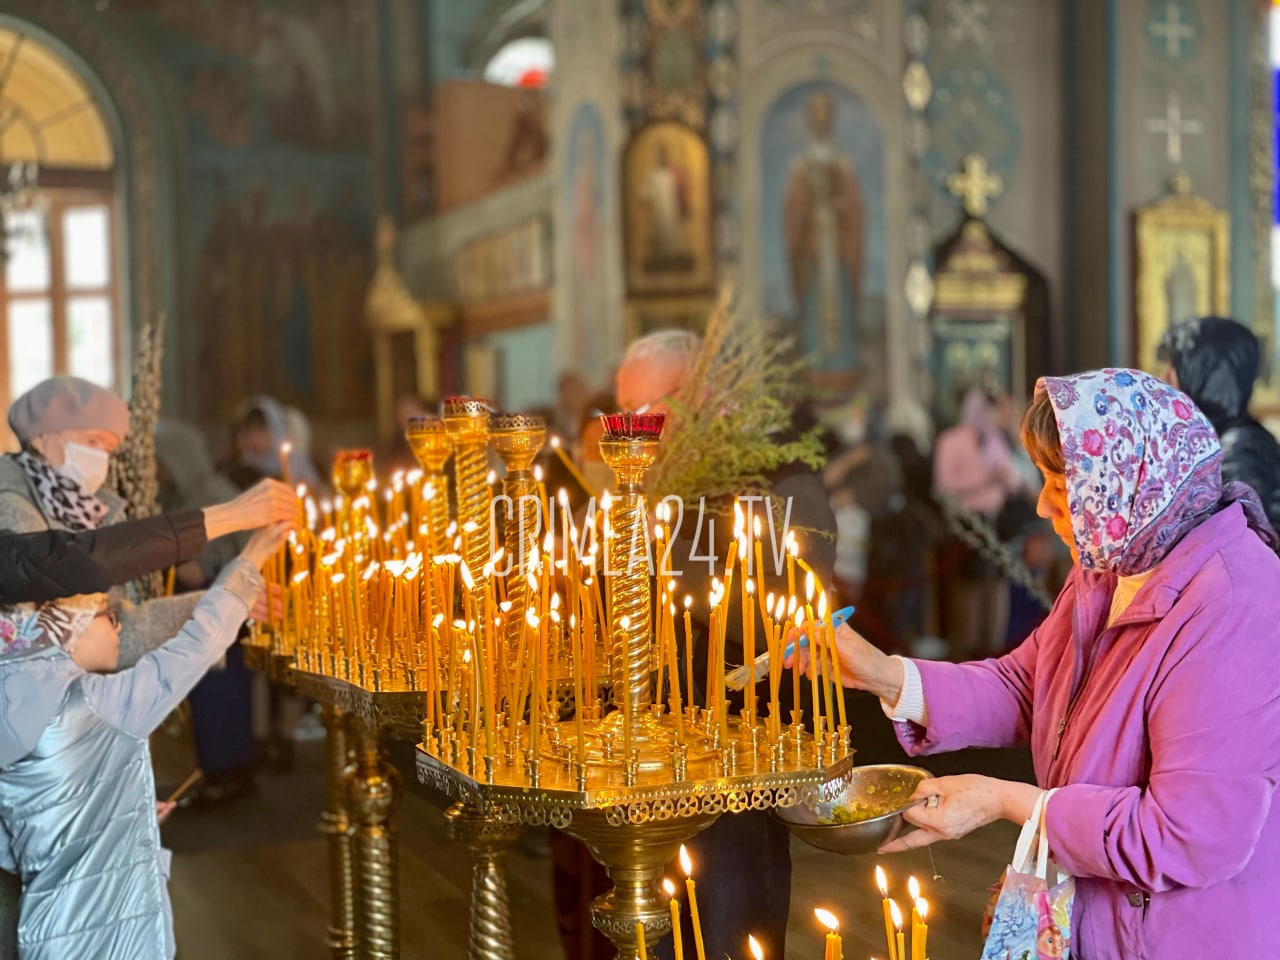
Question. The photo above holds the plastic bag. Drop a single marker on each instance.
(1032, 916)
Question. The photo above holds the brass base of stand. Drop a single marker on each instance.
(487, 839)
(374, 792)
(635, 856)
(335, 824)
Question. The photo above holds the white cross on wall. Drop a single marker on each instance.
(1173, 31)
(1173, 126)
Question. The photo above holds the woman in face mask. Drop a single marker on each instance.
(68, 429)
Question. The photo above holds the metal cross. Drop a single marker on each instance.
(1173, 126)
(976, 185)
(1172, 30)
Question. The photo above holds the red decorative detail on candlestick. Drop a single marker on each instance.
(354, 455)
(633, 426)
(464, 406)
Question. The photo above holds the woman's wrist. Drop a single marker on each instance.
(219, 520)
(1015, 800)
(881, 675)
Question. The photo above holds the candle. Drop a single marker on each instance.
(896, 914)
(640, 945)
(835, 667)
(835, 949)
(687, 866)
(670, 889)
(688, 652)
(913, 894)
(883, 884)
(754, 946)
(920, 930)
(286, 448)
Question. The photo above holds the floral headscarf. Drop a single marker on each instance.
(59, 623)
(1143, 468)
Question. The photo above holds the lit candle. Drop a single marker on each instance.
(835, 665)
(688, 652)
(920, 931)
(687, 866)
(640, 945)
(286, 448)
(896, 914)
(754, 946)
(883, 884)
(913, 893)
(835, 949)
(670, 889)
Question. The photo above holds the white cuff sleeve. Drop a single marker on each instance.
(910, 706)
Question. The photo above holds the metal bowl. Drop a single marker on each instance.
(887, 785)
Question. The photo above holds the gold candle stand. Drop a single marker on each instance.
(633, 811)
(517, 438)
(363, 792)
(432, 446)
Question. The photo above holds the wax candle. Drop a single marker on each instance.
(899, 946)
(640, 944)
(286, 477)
(834, 947)
(687, 866)
(920, 931)
(688, 651)
(913, 894)
(835, 666)
(883, 884)
(670, 889)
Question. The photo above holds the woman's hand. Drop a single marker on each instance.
(265, 503)
(862, 665)
(963, 804)
(164, 808)
(266, 543)
(269, 604)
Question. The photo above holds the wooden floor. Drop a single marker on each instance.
(250, 881)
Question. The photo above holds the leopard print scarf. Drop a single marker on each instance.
(61, 498)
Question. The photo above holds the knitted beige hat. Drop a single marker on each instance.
(67, 403)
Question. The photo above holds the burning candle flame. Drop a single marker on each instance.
(669, 887)
(754, 946)
(913, 888)
(685, 863)
(922, 907)
(688, 601)
(809, 587)
(895, 913)
(531, 618)
(827, 919)
(882, 882)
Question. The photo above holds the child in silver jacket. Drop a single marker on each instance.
(77, 794)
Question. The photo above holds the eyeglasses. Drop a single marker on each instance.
(112, 616)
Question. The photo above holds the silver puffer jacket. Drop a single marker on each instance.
(77, 796)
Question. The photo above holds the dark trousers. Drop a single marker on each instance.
(742, 868)
(222, 718)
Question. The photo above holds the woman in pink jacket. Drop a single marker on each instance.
(1150, 697)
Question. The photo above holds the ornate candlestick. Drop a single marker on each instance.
(374, 791)
(431, 444)
(467, 421)
(517, 438)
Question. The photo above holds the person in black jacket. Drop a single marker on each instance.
(52, 564)
(1214, 360)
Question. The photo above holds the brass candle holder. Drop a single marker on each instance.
(517, 438)
(432, 445)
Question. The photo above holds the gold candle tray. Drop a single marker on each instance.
(710, 784)
(399, 711)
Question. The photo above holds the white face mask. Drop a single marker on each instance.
(87, 466)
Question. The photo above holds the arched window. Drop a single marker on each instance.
(59, 304)
(525, 62)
